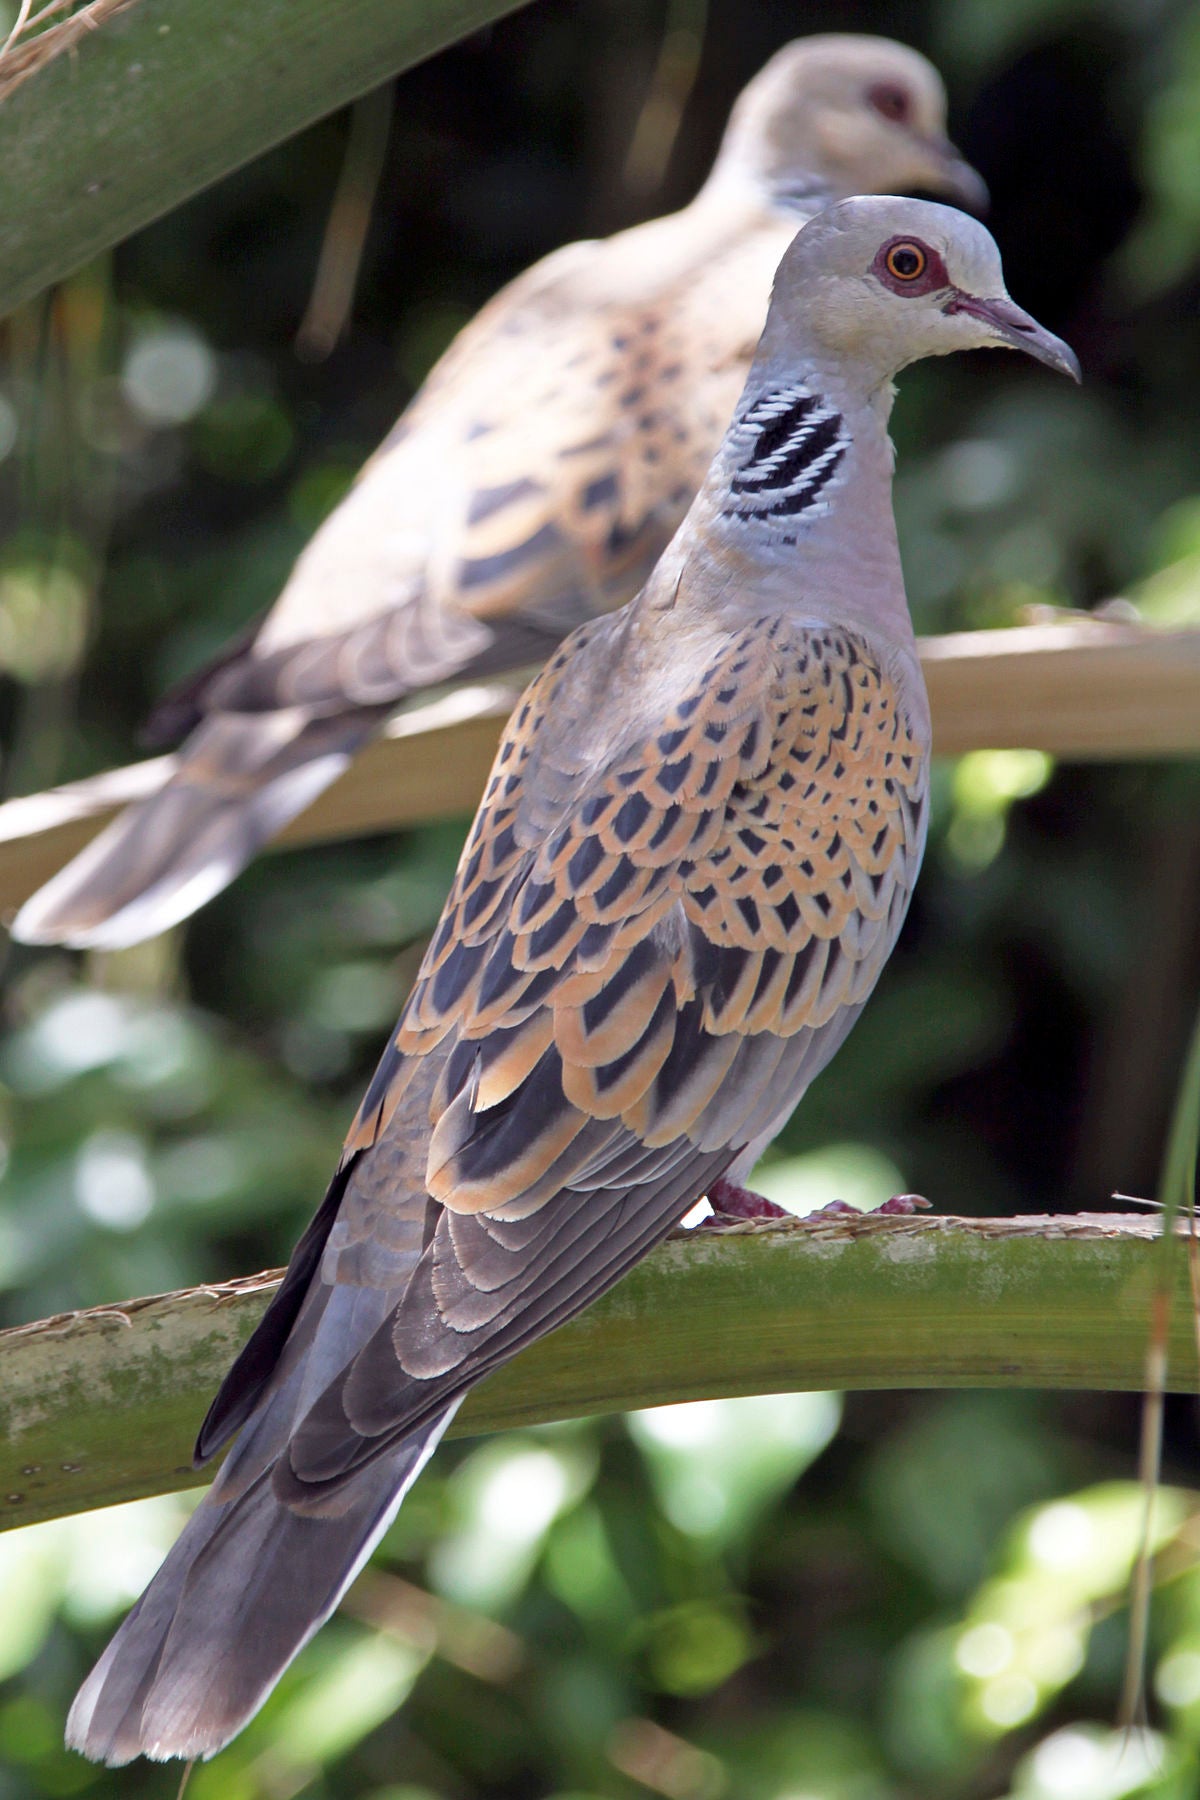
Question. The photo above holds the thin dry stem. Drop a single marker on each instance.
(36, 49)
(1177, 1193)
(19, 24)
(674, 75)
(1193, 1246)
(1149, 1462)
(328, 311)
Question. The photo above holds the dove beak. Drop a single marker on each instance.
(951, 175)
(1013, 329)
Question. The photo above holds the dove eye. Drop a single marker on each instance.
(906, 262)
(907, 266)
(891, 101)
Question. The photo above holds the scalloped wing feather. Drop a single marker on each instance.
(757, 851)
(629, 985)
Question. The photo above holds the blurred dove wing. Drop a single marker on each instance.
(532, 484)
(553, 450)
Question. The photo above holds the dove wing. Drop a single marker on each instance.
(639, 969)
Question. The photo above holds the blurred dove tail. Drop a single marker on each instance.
(246, 1585)
(241, 778)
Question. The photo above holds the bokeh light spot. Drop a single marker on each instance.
(1061, 1536)
(1008, 1700)
(112, 1183)
(984, 1650)
(169, 374)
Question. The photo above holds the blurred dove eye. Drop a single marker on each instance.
(893, 102)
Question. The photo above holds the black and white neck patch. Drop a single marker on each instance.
(793, 443)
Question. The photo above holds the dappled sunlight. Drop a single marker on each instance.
(504, 1499)
(1086, 1763)
(718, 1464)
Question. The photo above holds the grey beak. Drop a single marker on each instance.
(1017, 330)
(956, 178)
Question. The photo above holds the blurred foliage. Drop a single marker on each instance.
(659, 1606)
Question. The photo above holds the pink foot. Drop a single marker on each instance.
(729, 1201)
(903, 1205)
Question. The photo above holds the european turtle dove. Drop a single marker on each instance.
(693, 856)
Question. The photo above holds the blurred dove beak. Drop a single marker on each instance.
(1017, 330)
(955, 178)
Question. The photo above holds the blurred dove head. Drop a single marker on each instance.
(836, 115)
(876, 283)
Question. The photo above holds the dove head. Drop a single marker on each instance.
(836, 115)
(876, 283)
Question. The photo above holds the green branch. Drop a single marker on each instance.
(102, 1406)
(166, 96)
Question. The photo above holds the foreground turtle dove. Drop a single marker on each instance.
(694, 853)
(530, 485)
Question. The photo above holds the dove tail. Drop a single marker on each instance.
(244, 1588)
(241, 778)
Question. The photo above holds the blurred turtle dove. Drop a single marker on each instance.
(531, 484)
(697, 845)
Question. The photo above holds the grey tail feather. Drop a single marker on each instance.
(186, 705)
(246, 1585)
(240, 780)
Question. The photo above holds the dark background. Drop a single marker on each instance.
(170, 1114)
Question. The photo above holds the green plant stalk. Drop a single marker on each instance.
(1177, 1199)
(103, 1406)
(166, 96)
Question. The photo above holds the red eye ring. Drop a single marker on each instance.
(906, 261)
(909, 266)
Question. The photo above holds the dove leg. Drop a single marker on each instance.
(904, 1205)
(730, 1201)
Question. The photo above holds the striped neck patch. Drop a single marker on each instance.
(793, 442)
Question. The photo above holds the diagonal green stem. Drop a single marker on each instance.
(166, 96)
